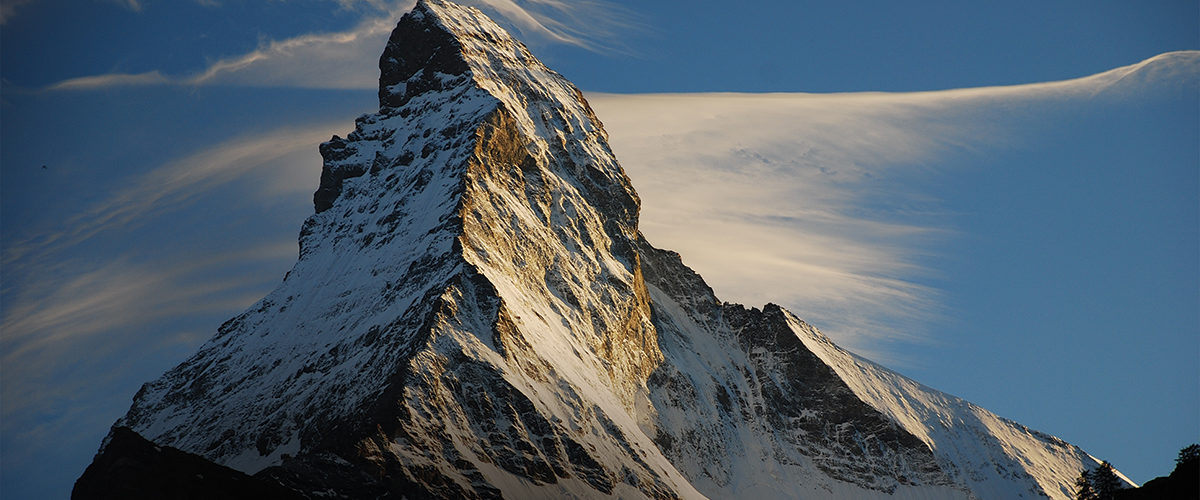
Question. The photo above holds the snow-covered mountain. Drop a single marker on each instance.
(475, 314)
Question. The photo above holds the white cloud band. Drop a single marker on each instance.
(348, 60)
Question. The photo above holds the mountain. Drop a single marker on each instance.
(474, 314)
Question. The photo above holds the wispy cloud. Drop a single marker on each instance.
(77, 340)
(808, 199)
(112, 80)
(121, 294)
(134, 281)
(593, 25)
(348, 59)
(778, 198)
(334, 60)
(70, 307)
(181, 181)
(344, 60)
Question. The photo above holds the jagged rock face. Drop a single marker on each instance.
(474, 314)
(764, 398)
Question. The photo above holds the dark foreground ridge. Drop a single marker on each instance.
(1183, 483)
(132, 468)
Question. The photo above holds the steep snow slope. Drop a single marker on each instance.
(988, 453)
(474, 314)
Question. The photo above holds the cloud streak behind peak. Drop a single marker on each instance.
(348, 59)
(812, 200)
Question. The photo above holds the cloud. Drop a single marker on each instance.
(78, 342)
(57, 288)
(328, 60)
(112, 80)
(345, 60)
(813, 200)
(78, 301)
(591, 25)
(348, 59)
(132, 283)
(289, 152)
(1168, 71)
(122, 294)
(777, 198)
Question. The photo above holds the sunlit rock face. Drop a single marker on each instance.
(474, 314)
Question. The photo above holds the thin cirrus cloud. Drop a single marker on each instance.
(769, 197)
(288, 151)
(62, 291)
(122, 294)
(113, 80)
(325, 60)
(71, 338)
(65, 299)
(346, 60)
(806, 199)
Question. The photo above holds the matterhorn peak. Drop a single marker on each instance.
(474, 314)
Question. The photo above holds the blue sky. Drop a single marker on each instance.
(1033, 248)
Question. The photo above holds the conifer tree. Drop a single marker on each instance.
(1187, 456)
(1105, 481)
(1083, 486)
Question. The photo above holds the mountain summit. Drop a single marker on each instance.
(474, 314)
